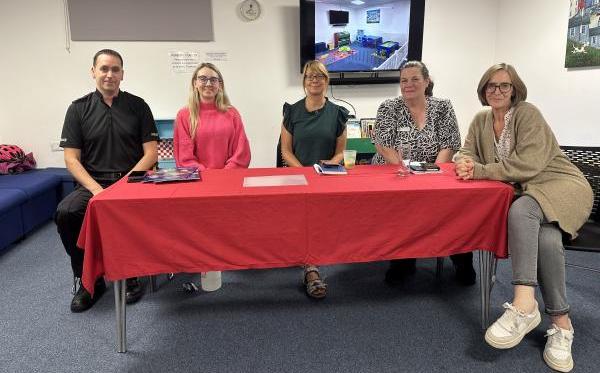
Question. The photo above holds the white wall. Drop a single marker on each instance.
(40, 78)
(532, 37)
(458, 45)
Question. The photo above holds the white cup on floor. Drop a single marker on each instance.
(210, 281)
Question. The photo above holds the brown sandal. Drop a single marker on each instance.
(315, 288)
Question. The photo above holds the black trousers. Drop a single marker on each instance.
(457, 259)
(69, 219)
(462, 259)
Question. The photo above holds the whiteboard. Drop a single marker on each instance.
(140, 20)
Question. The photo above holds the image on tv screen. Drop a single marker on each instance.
(337, 17)
(373, 16)
(375, 37)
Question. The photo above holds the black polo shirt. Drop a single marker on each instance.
(110, 137)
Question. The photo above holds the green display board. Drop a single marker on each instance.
(361, 146)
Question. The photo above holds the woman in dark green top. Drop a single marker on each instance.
(313, 129)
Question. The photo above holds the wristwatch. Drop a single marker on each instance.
(250, 10)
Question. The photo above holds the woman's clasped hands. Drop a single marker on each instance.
(464, 168)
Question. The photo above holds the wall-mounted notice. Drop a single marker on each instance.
(216, 56)
(184, 62)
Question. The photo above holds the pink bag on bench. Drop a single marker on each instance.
(13, 160)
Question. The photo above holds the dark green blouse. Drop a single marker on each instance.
(314, 134)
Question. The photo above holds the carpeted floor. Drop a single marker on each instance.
(260, 321)
(360, 59)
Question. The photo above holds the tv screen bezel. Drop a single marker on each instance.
(307, 34)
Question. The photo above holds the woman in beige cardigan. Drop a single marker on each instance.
(512, 142)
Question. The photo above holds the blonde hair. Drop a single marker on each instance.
(519, 92)
(314, 66)
(221, 100)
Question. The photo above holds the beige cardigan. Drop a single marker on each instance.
(536, 163)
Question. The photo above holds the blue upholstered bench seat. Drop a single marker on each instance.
(11, 198)
(67, 181)
(41, 190)
(11, 217)
(33, 183)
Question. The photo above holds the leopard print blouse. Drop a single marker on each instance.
(502, 145)
(395, 128)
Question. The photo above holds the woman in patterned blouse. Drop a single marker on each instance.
(426, 127)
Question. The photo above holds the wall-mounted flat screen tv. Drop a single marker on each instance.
(379, 35)
(338, 17)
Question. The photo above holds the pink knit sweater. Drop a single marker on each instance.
(220, 140)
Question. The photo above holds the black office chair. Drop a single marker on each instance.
(587, 159)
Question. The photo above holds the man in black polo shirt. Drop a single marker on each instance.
(107, 134)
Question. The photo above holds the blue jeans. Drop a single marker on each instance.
(537, 253)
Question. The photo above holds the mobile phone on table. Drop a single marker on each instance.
(327, 164)
(418, 167)
(431, 166)
(136, 176)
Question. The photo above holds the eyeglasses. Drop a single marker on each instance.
(313, 77)
(503, 87)
(205, 79)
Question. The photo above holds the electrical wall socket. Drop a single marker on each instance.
(55, 146)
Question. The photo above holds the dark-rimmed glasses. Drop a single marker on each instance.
(205, 79)
(503, 87)
(317, 77)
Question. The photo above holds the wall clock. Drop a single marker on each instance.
(250, 10)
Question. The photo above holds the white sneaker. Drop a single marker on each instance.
(557, 353)
(511, 327)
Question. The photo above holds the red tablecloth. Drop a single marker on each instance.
(370, 214)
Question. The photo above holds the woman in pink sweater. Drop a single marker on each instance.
(209, 132)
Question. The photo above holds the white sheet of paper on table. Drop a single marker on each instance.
(277, 180)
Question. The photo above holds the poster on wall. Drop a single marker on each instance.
(583, 35)
(373, 16)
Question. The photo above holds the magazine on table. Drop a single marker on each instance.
(325, 168)
(171, 175)
(424, 168)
